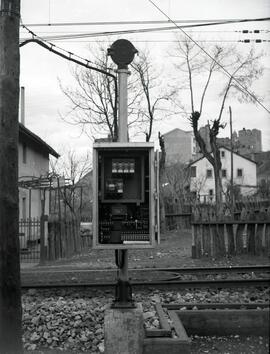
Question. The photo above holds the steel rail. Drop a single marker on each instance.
(226, 283)
(190, 270)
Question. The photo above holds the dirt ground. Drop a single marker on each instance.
(174, 251)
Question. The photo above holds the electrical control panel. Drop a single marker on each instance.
(125, 203)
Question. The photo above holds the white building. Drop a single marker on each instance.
(202, 175)
(33, 162)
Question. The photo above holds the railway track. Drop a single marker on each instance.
(220, 277)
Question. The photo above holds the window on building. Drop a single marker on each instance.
(24, 153)
(239, 172)
(209, 173)
(224, 173)
(193, 171)
(222, 153)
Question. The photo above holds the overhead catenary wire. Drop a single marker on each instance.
(72, 41)
(144, 22)
(211, 57)
(142, 30)
(221, 31)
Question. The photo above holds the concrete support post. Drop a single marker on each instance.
(124, 332)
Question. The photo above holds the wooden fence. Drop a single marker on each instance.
(178, 221)
(65, 239)
(248, 235)
(29, 236)
(177, 216)
(180, 216)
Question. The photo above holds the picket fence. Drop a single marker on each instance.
(250, 234)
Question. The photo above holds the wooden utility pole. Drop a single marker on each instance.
(10, 293)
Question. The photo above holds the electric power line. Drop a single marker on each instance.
(165, 41)
(143, 30)
(193, 31)
(147, 22)
(210, 56)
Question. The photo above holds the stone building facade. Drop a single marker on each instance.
(250, 141)
(180, 146)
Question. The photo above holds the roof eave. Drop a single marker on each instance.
(26, 132)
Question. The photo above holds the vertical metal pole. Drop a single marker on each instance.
(42, 228)
(30, 203)
(232, 192)
(29, 214)
(23, 105)
(123, 137)
(123, 105)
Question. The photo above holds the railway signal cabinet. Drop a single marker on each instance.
(125, 201)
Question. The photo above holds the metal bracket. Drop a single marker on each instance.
(123, 295)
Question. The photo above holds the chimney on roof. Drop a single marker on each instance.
(23, 105)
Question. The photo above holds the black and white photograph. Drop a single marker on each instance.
(134, 176)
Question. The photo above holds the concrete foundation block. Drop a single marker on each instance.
(124, 332)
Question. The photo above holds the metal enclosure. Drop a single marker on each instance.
(125, 204)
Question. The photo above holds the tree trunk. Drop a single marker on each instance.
(10, 288)
(218, 192)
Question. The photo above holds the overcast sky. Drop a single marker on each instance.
(41, 70)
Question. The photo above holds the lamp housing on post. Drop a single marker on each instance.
(122, 53)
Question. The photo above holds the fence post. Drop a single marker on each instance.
(42, 240)
(193, 247)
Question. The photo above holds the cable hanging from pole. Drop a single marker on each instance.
(80, 61)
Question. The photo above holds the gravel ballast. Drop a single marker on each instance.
(72, 320)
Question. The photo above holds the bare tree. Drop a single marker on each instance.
(152, 96)
(199, 73)
(72, 169)
(178, 181)
(93, 101)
